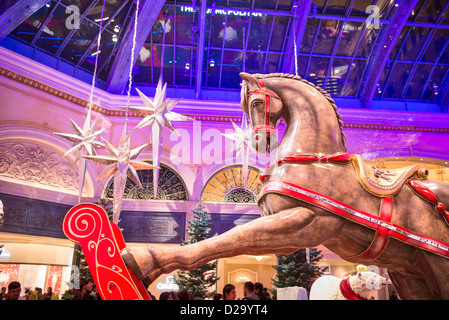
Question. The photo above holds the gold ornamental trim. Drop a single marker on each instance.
(385, 182)
(121, 113)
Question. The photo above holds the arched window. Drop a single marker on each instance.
(227, 185)
(170, 186)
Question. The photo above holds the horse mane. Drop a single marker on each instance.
(320, 90)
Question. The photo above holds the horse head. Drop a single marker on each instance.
(313, 124)
(264, 108)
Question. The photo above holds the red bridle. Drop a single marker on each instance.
(268, 95)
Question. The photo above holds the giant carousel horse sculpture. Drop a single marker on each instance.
(315, 193)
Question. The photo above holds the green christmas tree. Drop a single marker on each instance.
(198, 281)
(295, 269)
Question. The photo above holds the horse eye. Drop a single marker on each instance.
(256, 103)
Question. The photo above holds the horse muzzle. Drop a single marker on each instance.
(264, 139)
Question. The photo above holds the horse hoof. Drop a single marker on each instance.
(131, 259)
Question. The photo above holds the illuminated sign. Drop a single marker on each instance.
(169, 284)
(224, 12)
(4, 253)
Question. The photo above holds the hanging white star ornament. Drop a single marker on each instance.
(242, 144)
(86, 137)
(121, 162)
(158, 115)
(86, 142)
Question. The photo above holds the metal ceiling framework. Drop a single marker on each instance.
(207, 43)
(13, 16)
(389, 38)
(427, 42)
(300, 13)
(443, 98)
(147, 15)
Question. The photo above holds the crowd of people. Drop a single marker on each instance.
(15, 289)
(87, 291)
(251, 291)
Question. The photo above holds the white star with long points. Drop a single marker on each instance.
(158, 115)
(242, 144)
(86, 137)
(86, 142)
(121, 162)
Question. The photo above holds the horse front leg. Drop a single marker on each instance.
(281, 233)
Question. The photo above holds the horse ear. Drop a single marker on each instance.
(249, 79)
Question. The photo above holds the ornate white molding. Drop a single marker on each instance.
(33, 163)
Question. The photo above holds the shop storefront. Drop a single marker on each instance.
(36, 262)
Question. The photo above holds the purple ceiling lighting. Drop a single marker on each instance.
(443, 94)
(405, 58)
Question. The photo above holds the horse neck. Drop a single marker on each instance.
(311, 124)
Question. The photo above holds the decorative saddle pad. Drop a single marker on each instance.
(385, 182)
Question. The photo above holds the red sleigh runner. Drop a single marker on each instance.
(101, 241)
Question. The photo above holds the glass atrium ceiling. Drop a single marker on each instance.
(365, 50)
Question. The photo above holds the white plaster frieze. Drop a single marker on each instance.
(36, 164)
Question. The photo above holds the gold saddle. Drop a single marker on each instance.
(385, 182)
